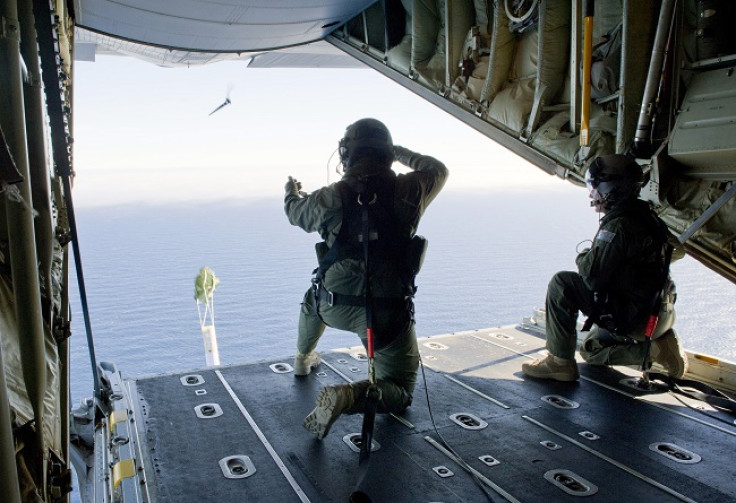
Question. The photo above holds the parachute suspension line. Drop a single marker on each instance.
(206, 311)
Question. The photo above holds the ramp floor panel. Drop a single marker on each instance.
(525, 439)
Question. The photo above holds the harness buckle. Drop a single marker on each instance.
(330, 298)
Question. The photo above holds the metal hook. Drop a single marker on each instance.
(375, 198)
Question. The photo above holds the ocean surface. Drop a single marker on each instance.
(490, 258)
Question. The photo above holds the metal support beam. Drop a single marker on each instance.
(510, 142)
(37, 159)
(707, 214)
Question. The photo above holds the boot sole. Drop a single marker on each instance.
(328, 409)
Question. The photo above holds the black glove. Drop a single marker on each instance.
(403, 155)
(293, 187)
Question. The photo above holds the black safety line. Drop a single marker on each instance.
(464, 464)
(372, 395)
(698, 390)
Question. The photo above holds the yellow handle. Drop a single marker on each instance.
(587, 57)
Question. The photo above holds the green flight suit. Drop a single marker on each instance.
(396, 352)
(625, 265)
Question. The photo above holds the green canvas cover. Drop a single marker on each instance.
(538, 69)
(502, 55)
(13, 367)
(399, 56)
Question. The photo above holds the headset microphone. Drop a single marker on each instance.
(339, 167)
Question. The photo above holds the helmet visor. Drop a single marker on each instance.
(592, 183)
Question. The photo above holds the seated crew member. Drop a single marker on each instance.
(337, 298)
(617, 284)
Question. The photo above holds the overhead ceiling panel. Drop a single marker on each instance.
(217, 26)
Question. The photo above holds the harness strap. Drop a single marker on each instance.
(322, 294)
(608, 339)
(653, 318)
(597, 316)
(394, 240)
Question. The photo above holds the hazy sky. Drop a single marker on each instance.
(143, 135)
(145, 131)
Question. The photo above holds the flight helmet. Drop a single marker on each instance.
(366, 138)
(612, 179)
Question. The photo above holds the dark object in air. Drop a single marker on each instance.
(224, 104)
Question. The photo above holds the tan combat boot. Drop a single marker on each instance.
(667, 351)
(552, 367)
(304, 363)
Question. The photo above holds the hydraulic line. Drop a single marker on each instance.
(642, 137)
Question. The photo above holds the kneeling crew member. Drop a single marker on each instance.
(621, 280)
(393, 205)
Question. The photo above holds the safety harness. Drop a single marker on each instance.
(368, 202)
(603, 313)
(371, 232)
